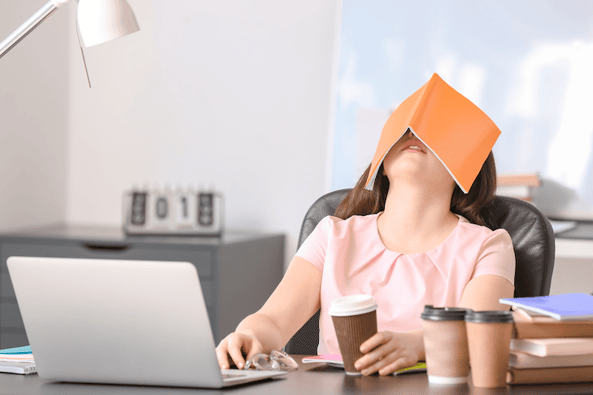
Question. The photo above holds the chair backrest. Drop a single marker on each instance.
(530, 231)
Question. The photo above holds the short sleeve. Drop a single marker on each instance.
(314, 247)
(497, 257)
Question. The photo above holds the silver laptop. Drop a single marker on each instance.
(119, 322)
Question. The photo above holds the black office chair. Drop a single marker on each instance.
(530, 230)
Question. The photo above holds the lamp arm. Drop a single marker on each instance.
(29, 25)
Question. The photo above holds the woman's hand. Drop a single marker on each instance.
(234, 346)
(385, 352)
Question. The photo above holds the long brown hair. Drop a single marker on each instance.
(475, 205)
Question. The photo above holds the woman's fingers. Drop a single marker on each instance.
(255, 348)
(222, 355)
(373, 342)
(235, 347)
(384, 354)
(380, 346)
(389, 363)
(394, 366)
(379, 363)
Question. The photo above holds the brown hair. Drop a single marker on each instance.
(475, 206)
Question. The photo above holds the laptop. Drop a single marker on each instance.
(120, 322)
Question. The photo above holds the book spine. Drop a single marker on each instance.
(545, 350)
(527, 330)
(519, 360)
(18, 368)
(550, 375)
(516, 191)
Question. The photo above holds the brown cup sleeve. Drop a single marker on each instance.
(351, 332)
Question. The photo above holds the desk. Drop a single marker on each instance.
(226, 267)
(309, 379)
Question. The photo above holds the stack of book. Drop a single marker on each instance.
(17, 360)
(552, 339)
(519, 186)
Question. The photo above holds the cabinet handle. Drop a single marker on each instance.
(106, 247)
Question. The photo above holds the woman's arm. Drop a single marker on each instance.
(493, 273)
(294, 301)
(483, 293)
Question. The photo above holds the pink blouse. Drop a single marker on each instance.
(354, 260)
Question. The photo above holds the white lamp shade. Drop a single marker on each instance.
(100, 21)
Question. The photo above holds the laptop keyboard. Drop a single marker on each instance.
(232, 375)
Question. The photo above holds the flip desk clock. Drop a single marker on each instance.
(180, 212)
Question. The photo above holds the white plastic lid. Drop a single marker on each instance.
(352, 305)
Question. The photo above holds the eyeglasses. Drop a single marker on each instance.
(277, 360)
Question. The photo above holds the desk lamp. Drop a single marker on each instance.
(99, 21)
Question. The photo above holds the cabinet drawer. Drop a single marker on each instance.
(207, 292)
(7, 291)
(200, 258)
(16, 339)
(10, 316)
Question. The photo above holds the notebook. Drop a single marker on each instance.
(336, 361)
(17, 367)
(573, 306)
(17, 360)
(119, 322)
(17, 353)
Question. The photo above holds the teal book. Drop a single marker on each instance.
(17, 360)
(17, 350)
(573, 306)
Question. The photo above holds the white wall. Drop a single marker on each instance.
(226, 92)
(33, 119)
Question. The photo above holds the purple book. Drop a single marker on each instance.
(575, 306)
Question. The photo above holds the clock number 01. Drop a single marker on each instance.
(162, 207)
(184, 207)
(185, 210)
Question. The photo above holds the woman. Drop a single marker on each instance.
(416, 239)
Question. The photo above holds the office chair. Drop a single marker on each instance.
(531, 233)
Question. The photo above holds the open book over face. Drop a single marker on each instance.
(452, 127)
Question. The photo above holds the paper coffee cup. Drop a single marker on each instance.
(445, 344)
(489, 339)
(355, 321)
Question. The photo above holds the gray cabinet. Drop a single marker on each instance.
(237, 271)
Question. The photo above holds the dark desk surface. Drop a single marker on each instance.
(309, 379)
(116, 236)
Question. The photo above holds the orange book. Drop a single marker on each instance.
(452, 127)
